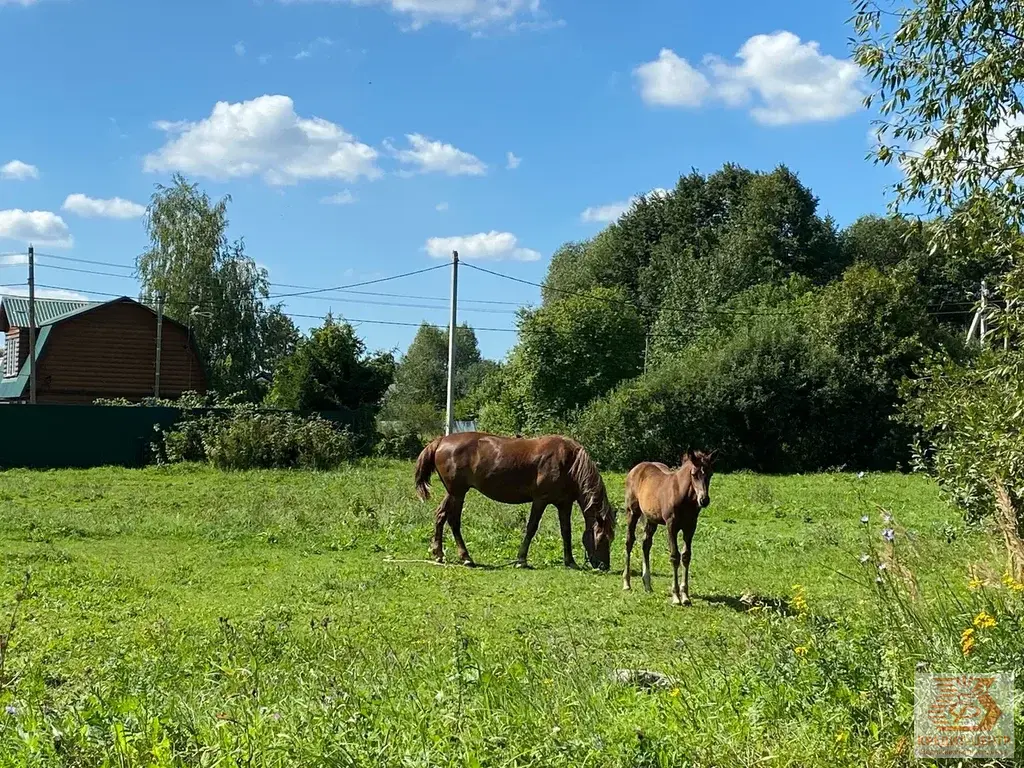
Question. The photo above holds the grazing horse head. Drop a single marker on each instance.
(701, 466)
(597, 511)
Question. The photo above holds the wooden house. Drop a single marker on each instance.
(89, 350)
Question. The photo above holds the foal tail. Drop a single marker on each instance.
(425, 468)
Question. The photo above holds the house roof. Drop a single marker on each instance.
(14, 311)
(57, 311)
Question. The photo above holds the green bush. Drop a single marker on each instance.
(768, 397)
(397, 442)
(247, 438)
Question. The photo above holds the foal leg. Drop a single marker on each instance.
(565, 525)
(673, 551)
(536, 512)
(440, 517)
(455, 523)
(632, 518)
(688, 529)
(648, 540)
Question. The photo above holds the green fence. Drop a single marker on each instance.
(65, 436)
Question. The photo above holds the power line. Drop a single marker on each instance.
(86, 271)
(85, 261)
(358, 285)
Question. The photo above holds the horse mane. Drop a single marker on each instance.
(593, 496)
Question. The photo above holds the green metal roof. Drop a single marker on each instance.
(47, 310)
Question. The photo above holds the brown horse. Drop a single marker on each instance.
(542, 471)
(673, 499)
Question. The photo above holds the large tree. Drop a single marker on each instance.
(332, 370)
(209, 284)
(419, 395)
(948, 78)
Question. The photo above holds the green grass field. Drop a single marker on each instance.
(185, 616)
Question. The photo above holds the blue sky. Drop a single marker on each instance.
(359, 137)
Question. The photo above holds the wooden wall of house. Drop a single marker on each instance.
(111, 352)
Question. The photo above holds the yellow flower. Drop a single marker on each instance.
(984, 621)
(841, 737)
(1012, 584)
(799, 599)
(548, 681)
(967, 641)
(674, 692)
(800, 650)
(975, 583)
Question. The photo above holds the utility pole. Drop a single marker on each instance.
(159, 340)
(32, 325)
(450, 410)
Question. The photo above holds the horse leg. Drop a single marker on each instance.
(440, 517)
(673, 551)
(536, 512)
(688, 529)
(565, 525)
(648, 540)
(632, 518)
(455, 523)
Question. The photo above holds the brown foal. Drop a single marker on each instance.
(673, 499)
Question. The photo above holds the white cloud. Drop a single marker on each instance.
(24, 3)
(341, 198)
(795, 81)
(512, 162)
(38, 227)
(264, 137)
(468, 14)
(442, 207)
(670, 81)
(606, 214)
(437, 157)
(13, 259)
(19, 171)
(309, 50)
(114, 208)
(783, 79)
(493, 246)
(240, 48)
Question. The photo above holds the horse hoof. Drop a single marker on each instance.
(522, 565)
(626, 587)
(469, 563)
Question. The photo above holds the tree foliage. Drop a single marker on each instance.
(210, 285)
(948, 77)
(331, 370)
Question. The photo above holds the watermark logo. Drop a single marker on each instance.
(960, 715)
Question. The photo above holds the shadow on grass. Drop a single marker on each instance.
(746, 603)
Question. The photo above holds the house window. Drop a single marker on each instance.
(11, 356)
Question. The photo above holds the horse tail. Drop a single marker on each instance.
(593, 496)
(425, 468)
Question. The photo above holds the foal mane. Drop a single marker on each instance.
(593, 496)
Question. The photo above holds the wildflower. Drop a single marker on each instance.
(889, 534)
(886, 517)
(11, 710)
(548, 681)
(878, 579)
(864, 559)
(975, 583)
(841, 737)
(865, 519)
(800, 650)
(276, 715)
(674, 693)
(883, 566)
(799, 600)
(984, 621)
(1012, 584)
(967, 641)
(860, 475)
